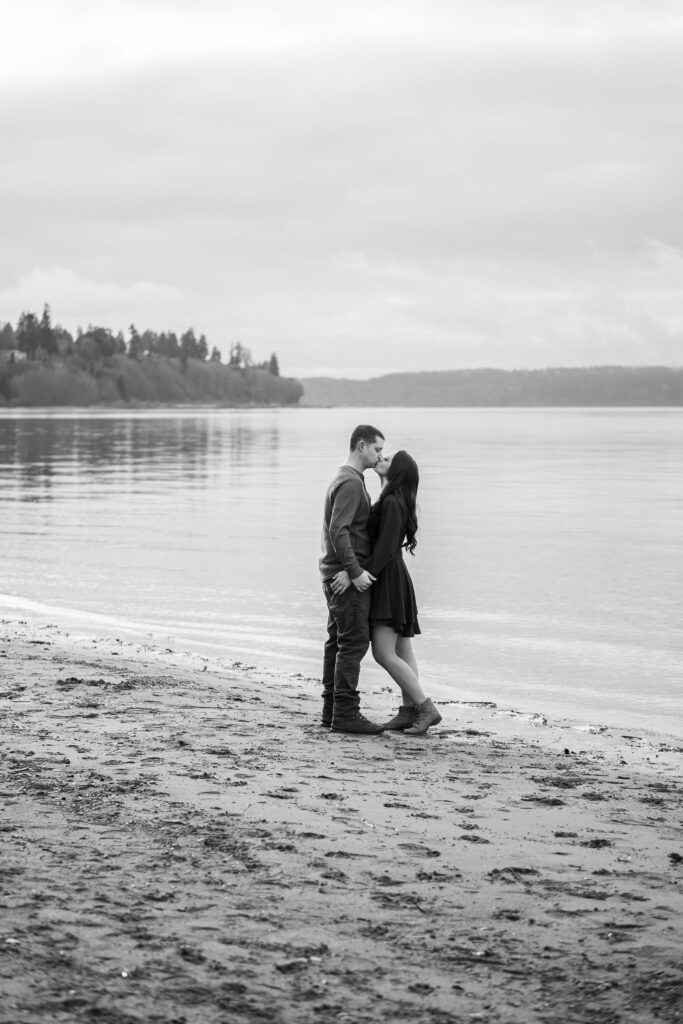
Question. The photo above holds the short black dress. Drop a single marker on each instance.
(393, 596)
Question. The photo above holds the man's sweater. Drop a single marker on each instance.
(345, 540)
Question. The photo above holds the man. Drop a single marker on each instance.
(345, 543)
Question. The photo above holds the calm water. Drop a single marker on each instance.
(548, 570)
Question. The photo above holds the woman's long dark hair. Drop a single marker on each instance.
(403, 480)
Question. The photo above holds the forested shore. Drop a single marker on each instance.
(568, 386)
(42, 365)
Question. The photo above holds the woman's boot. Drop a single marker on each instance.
(425, 715)
(404, 717)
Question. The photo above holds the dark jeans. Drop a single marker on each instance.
(348, 638)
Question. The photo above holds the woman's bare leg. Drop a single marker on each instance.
(384, 651)
(404, 649)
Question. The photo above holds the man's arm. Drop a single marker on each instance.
(346, 503)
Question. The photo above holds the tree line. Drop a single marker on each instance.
(44, 364)
(560, 386)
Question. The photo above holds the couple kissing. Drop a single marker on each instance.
(368, 589)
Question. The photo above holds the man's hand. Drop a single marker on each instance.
(340, 582)
(363, 581)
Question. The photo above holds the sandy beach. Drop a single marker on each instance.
(183, 843)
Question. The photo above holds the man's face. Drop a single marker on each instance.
(371, 453)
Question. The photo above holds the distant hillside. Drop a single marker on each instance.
(589, 386)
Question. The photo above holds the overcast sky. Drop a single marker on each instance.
(362, 187)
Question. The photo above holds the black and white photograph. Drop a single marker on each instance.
(341, 512)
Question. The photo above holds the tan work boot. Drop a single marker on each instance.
(425, 716)
(403, 719)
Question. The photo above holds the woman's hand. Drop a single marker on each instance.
(340, 582)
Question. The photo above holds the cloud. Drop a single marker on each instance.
(77, 301)
(441, 182)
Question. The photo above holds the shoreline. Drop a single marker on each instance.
(99, 630)
(126, 407)
(256, 406)
(183, 841)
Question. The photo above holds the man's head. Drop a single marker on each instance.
(365, 445)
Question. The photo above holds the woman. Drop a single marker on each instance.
(393, 611)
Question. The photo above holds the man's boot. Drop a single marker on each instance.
(356, 723)
(328, 709)
(425, 716)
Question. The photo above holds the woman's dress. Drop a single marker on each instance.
(393, 596)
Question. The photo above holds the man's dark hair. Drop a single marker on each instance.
(364, 432)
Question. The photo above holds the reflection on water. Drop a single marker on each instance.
(45, 458)
(547, 569)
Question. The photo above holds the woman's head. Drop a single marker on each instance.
(402, 478)
(400, 469)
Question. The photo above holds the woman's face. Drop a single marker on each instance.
(382, 467)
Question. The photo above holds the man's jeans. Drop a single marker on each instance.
(348, 638)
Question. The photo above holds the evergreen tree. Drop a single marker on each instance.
(48, 342)
(29, 334)
(134, 345)
(7, 338)
(172, 345)
(189, 347)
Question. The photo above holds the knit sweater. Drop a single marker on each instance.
(345, 539)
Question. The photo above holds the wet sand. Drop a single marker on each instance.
(183, 843)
